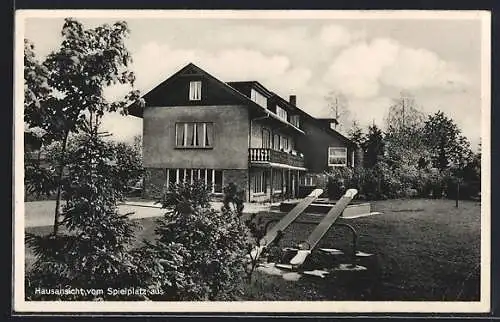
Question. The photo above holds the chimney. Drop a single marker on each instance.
(293, 100)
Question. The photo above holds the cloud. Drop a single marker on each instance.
(357, 69)
(307, 59)
(264, 38)
(298, 42)
(371, 110)
(337, 36)
(274, 71)
(419, 68)
(362, 68)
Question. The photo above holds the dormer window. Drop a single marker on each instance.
(195, 90)
(333, 124)
(294, 119)
(258, 98)
(281, 113)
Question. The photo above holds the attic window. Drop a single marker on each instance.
(258, 98)
(195, 91)
(281, 113)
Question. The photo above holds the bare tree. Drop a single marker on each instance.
(404, 114)
(339, 107)
(404, 130)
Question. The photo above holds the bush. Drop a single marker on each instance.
(400, 178)
(41, 175)
(94, 252)
(199, 252)
(372, 184)
(338, 180)
(383, 182)
(128, 163)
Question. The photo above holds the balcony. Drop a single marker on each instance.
(263, 156)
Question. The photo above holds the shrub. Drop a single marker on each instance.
(255, 229)
(370, 183)
(94, 252)
(338, 180)
(383, 181)
(41, 175)
(379, 182)
(199, 252)
(128, 164)
(39, 181)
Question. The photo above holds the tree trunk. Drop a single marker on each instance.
(59, 184)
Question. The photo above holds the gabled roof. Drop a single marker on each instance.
(320, 122)
(328, 119)
(232, 89)
(252, 84)
(188, 69)
(193, 69)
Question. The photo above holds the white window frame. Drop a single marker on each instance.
(309, 181)
(180, 176)
(276, 145)
(195, 125)
(267, 144)
(295, 120)
(281, 112)
(260, 189)
(195, 134)
(222, 181)
(344, 149)
(258, 98)
(278, 174)
(195, 91)
(283, 146)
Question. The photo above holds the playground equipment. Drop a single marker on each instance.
(284, 223)
(306, 247)
(296, 256)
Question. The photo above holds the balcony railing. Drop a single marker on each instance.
(263, 155)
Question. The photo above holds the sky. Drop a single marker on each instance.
(370, 61)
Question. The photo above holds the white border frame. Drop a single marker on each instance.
(20, 305)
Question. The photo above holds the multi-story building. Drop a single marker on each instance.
(196, 126)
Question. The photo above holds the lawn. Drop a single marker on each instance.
(425, 250)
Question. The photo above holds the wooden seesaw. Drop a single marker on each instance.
(284, 223)
(304, 249)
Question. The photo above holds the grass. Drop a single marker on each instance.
(425, 250)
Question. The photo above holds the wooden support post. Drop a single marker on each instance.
(249, 183)
(271, 191)
(284, 185)
(167, 177)
(288, 184)
(297, 185)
